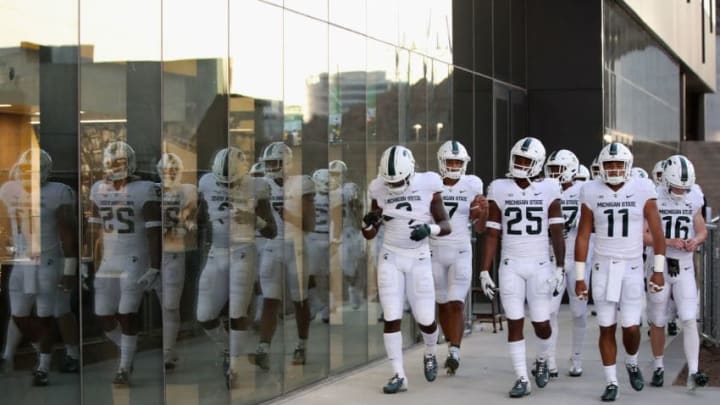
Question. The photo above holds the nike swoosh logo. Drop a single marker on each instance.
(633, 267)
(462, 251)
(541, 263)
(414, 191)
(614, 262)
(536, 194)
(629, 195)
(462, 191)
(572, 196)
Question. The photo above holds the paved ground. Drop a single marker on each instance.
(485, 376)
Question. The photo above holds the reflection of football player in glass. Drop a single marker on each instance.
(127, 220)
(282, 259)
(237, 205)
(44, 238)
(524, 211)
(680, 205)
(618, 206)
(346, 217)
(452, 254)
(564, 166)
(179, 221)
(409, 206)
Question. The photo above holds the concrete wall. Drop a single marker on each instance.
(678, 24)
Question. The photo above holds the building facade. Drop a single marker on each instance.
(332, 80)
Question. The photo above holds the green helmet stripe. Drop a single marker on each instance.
(683, 170)
(613, 149)
(526, 145)
(455, 148)
(391, 162)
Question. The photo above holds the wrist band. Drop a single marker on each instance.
(434, 229)
(579, 271)
(556, 220)
(659, 264)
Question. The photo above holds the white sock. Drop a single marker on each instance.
(171, 326)
(238, 340)
(44, 362)
(610, 374)
(72, 351)
(128, 344)
(301, 343)
(430, 340)
(631, 359)
(455, 351)
(12, 340)
(517, 356)
(543, 348)
(114, 335)
(393, 348)
(579, 331)
(219, 336)
(658, 362)
(691, 344)
(552, 364)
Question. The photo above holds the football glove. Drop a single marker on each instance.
(487, 285)
(372, 218)
(420, 232)
(149, 279)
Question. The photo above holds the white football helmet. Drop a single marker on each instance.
(397, 166)
(452, 150)
(583, 173)
(657, 172)
(530, 148)
(678, 172)
(639, 173)
(595, 169)
(258, 169)
(277, 158)
(321, 178)
(229, 165)
(615, 152)
(338, 171)
(562, 165)
(169, 169)
(119, 161)
(24, 168)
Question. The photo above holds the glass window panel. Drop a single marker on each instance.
(196, 278)
(305, 132)
(382, 20)
(38, 201)
(313, 8)
(120, 78)
(349, 14)
(501, 40)
(255, 122)
(348, 92)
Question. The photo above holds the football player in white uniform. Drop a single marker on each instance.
(409, 205)
(639, 172)
(237, 205)
(45, 255)
(451, 255)
(258, 170)
(618, 206)
(525, 211)
(563, 165)
(127, 219)
(684, 226)
(179, 224)
(657, 172)
(583, 173)
(292, 199)
(345, 222)
(595, 169)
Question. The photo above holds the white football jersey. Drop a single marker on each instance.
(178, 203)
(34, 222)
(403, 211)
(525, 215)
(322, 212)
(289, 197)
(120, 213)
(226, 202)
(457, 199)
(677, 219)
(618, 216)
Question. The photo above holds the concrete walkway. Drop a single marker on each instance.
(486, 375)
